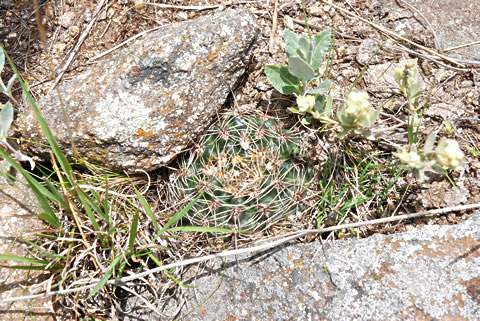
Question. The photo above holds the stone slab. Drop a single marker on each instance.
(431, 273)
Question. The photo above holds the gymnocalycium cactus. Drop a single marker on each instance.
(248, 169)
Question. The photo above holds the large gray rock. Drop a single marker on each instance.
(148, 102)
(431, 273)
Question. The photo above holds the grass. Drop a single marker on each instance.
(355, 183)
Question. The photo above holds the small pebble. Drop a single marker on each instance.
(182, 15)
(466, 84)
(288, 22)
(67, 19)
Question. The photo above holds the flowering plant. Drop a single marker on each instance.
(302, 76)
(357, 114)
(447, 155)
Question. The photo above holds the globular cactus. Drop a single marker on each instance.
(248, 169)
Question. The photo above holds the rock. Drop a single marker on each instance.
(366, 50)
(445, 110)
(423, 274)
(455, 23)
(441, 195)
(67, 19)
(148, 103)
(17, 220)
(380, 80)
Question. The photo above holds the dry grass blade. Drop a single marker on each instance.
(274, 28)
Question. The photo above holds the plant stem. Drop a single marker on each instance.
(306, 20)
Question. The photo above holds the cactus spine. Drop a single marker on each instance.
(246, 168)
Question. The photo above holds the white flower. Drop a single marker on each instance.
(358, 106)
(305, 103)
(449, 154)
(410, 159)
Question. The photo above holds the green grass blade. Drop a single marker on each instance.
(89, 212)
(178, 216)
(43, 252)
(148, 210)
(50, 218)
(56, 195)
(43, 124)
(105, 205)
(360, 75)
(40, 192)
(170, 275)
(93, 204)
(204, 229)
(105, 278)
(21, 259)
(23, 267)
(133, 232)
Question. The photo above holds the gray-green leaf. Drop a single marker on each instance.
(305, 49)
(282, 80)
(323, 87)
(328, 106)
(306, 121)
(291, 42)
(2, 59)
(6, 118)
(319, 104)
(300, 69)
(429, 143)
(322, 43)
(439, 169)
(10, 84)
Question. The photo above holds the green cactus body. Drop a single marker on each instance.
(246, 168)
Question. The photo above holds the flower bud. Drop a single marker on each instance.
(398, 75)
(410, 64)
(449, 154)
(305, 103)
(358, 107)
(410, 159)
(316, 114)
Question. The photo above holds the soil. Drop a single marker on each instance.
(64, 23)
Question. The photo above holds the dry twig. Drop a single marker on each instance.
(79, 43)
(274, 28)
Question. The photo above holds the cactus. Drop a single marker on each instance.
(248, 170)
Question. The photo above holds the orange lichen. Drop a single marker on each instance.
(144, 134)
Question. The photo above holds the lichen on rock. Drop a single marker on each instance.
(149, 101)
